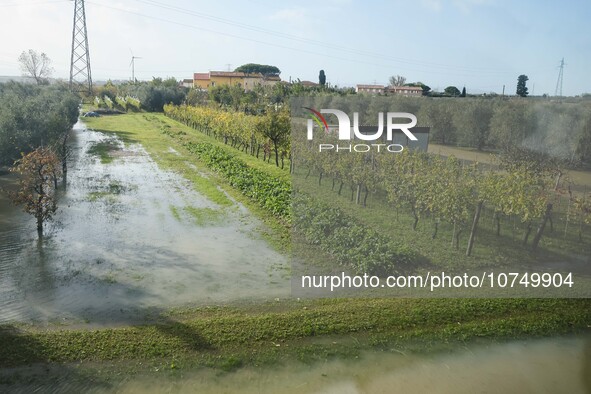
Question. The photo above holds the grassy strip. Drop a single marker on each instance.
(268, 191)
(155, 131)
(349, 242)
(103, 151)
(141, 128)
(253, 335)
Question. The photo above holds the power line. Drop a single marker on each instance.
(230, 22)
(277, 45)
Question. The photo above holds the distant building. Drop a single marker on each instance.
(309, 84)
(371, 89)
(186, 83)
(219, 78)
(405, 90)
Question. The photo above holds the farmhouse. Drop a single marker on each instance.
(248, 81)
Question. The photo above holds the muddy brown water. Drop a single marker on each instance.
(125, 242)
(554, 366)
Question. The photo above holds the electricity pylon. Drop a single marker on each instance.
(558, 91)
(80, 75)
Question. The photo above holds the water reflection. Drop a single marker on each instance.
(124, 240)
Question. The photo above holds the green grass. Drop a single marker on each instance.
(147, 129)
(175, 213)
(229, 337)
(204, 216)
(489, 250)
(103, 151)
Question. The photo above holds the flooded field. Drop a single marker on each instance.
(542, 366)
(129, 238)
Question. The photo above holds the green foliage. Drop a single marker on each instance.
(253, 134)
(426, 89)
(351, 243)
(133, 103)
(512, 122)
(275, 126)
(322, 78)
(452, 91)
(150, 96)
(472, 124)
(269, 192)
(226, 337)
(121, 103)
(264, 69)
(32, 116)
(439, 116)
(521, 85)
(108, 102)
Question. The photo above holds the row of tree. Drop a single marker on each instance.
(35, 115)
(562, 130)
(258, 135)
(35, 123)
(152, 95)
(444, 188)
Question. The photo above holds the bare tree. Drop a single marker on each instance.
(397, 80)
(35, 65)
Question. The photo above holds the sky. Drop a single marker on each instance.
(479, 44)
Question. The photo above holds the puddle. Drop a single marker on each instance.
(560, 365)
(129, 237)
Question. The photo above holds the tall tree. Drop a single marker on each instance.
(397, 80)
(463, 92)
(275, 126)
(264, 69)
(521, 88)
(452, 91)
(322, 78)
(35, 65)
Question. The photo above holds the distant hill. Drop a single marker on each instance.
(21, 79)
(8, 78)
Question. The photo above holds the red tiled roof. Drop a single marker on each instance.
(370, 86)
(201, 76)
(226, 74)
(405, 88)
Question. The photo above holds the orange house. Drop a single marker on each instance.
(210, 79)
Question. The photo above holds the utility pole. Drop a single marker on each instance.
(80, 75)
(503, 95)
(558, 90)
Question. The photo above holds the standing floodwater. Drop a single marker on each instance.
(128, 237)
